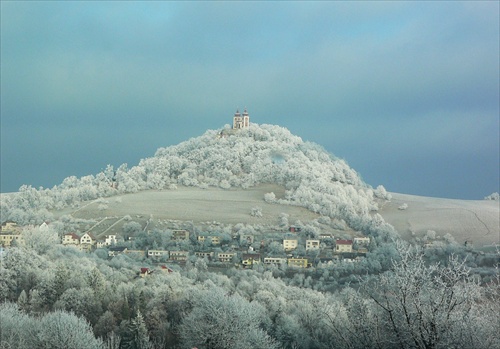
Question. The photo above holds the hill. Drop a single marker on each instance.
(475, 221)
(222, 175)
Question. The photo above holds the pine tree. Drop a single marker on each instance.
(137, 336)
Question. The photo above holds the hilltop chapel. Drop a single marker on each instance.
(241, 120)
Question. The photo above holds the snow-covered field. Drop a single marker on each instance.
(475, 220)
(198, 205)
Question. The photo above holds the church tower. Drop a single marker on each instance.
(246, 118)
(241, 121)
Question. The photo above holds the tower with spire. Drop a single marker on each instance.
(241, 120)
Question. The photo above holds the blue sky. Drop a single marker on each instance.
(406, 92)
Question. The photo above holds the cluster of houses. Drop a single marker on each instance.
(210, 244)
(87, 241)
(248, 257)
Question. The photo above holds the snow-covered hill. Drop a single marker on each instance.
(224, 158)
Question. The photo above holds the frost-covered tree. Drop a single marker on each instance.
(61, 330)
(40, 240)
(425, 306)
(221, 321)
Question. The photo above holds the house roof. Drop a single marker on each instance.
(117, 249)
(343, 242)
(73, 235)
(250, 256)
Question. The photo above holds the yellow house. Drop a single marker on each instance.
(214, 240)
(71, 239)
(7, 238)
(249, 259)
(297, 262)
(10, 227)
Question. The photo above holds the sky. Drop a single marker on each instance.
(406, 92)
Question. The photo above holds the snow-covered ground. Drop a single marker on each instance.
(474, 220)
(198, 205)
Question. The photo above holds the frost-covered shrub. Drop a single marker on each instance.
(494, 196)
(102, 207)
(256, 212)
(269, 197)
(403, 207)
(381, 193)
(430, 235)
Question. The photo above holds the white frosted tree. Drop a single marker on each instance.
(221, 321)
(61, 330)
(40, 240)
(426, 306)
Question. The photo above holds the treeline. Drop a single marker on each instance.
(62, 298)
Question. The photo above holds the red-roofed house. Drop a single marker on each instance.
(145, 272)
(342, 246)
(71, 239)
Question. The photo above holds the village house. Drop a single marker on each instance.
(135, 253)
(10, 227)
(294, 229)
(115, 251)
(179, 256)
(352, 257)
(157, 253)
(6, 239)
(145, 272)
(324, 236)
(343, 246)
(87, 240)
(70, 239)
(205, 254)
(225, 257)
(312, 245)
(180, 235)
(166, 269)
(274, 260)
(214, 240)
(248, 238)
(298, 262)
(362, 241)
(290, 244)
(109, 240)
(9, 232)
(325, 262)
(248, 260)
